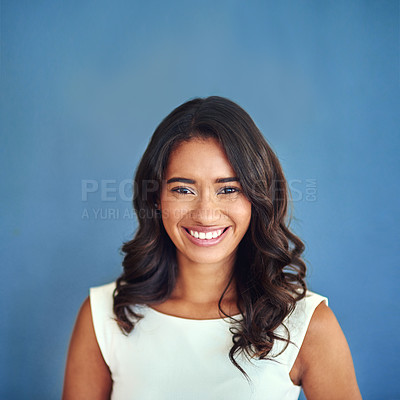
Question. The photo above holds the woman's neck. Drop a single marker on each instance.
(198, 290)
(202, 284)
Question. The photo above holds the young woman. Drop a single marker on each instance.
(212, 303)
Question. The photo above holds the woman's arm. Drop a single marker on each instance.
(327, 370)
(87, 376)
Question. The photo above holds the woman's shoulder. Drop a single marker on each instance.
(105, 290)
(102, 299)
(294, 327)
(86, 368)
(312, 299)
(102, 306)
(299, 319)
(325, 357)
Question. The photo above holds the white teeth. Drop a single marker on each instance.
(208, 235)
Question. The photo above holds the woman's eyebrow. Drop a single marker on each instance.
(191, 181)
(183, 180)
(224, 180)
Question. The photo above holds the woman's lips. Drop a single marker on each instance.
(205, 236)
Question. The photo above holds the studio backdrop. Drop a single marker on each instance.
(83, 86)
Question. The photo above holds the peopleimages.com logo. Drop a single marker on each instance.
(121, 191)
(110, 190)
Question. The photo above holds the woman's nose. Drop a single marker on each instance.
(206, 210)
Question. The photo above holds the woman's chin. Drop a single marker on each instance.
(206, 257)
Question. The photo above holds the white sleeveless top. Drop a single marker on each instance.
(172, 358)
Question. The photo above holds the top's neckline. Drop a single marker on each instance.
(237, 316)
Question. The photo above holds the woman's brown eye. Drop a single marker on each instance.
(181, 190)
(229, 190)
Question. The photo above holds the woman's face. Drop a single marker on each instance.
(203, 208)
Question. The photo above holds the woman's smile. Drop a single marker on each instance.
(203, 236)
(203, 208)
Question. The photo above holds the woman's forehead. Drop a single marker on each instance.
(199, 157)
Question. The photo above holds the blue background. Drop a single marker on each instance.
(85, 83)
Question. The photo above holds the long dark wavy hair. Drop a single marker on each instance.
(269, 272)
